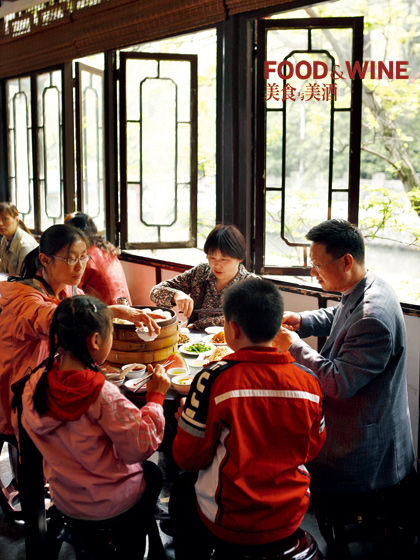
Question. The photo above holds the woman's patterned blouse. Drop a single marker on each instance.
(200, 284)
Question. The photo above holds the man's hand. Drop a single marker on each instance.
(291, 320)
(284, 339)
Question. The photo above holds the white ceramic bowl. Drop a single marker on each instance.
(196, 365)
(134, 371)
(213, 330)
(172, 372)
(182, 383)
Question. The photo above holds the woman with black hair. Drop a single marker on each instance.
(198, 292)
(51, 273)
(17, 240)
(104, 276)
(93, 440)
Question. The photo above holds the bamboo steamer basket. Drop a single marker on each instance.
(128, 348)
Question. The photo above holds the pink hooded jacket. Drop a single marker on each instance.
(93, 464)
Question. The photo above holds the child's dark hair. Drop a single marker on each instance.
(257, 306)
(73, 321)
(226, 239)
(85, 223)
(52, 240)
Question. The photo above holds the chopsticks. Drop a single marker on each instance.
(142, 381)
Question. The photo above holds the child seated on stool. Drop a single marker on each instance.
(93, 440)
(249, 424)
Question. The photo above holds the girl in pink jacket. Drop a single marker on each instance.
(93, 440)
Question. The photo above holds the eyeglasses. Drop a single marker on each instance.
(72, 261)
(318, 266)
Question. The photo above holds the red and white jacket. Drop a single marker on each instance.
(249, 425)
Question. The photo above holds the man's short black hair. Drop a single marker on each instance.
(257, 306)
(339, 237)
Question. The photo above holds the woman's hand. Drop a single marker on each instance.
(160, 381)
(180, 409)
(184, 303)
(138, 317)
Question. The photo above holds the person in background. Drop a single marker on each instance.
(249, 425)
(367, 463)
(93, 440)
(104, 276)
(16, 242)
(199, 292)
(50, 273)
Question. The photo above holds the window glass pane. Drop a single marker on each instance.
(203, 44)
(389, 214)
(158, 101)
(91, 85)
(49, 90)
(19, 122)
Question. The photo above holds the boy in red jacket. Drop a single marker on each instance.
(249, 425)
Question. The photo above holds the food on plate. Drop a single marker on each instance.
(218, 338)
(183, 338)
(197, 348)
(219, 353)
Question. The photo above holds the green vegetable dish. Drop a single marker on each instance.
(197, 348)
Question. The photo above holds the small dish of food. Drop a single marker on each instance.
(197, 348)
(183, 338)
(134, 371)
(132, 385)
(217, 338)
(197, 365)
(182, 383)
(172, 372)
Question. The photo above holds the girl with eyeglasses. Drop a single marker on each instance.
(50, 273)
(104, 276)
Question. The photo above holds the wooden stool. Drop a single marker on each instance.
(299, 546)
(104, 540)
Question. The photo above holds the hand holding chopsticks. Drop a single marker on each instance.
(157, 380)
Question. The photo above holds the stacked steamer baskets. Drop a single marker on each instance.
(128, 348)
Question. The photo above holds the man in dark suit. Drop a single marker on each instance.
(368, 460)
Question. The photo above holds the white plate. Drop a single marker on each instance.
(130, 385)
(207, 339)
(213, 330)
(184, 350)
